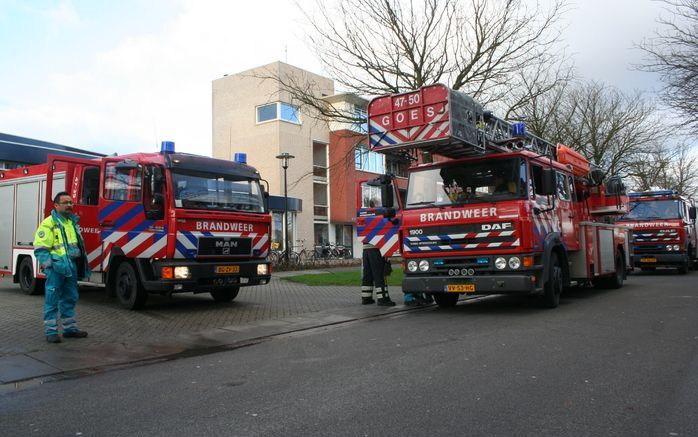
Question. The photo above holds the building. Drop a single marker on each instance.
(19, 151)
(252, 113)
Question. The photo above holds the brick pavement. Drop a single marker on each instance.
(21, 327)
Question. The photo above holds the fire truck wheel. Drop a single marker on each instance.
(684, 268)
(446, 300)
(128, 288)
(553, 286)
(29, 283)
(225, 295)
(616, 280)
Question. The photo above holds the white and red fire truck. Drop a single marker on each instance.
(500, 211)
(664, 230)
(152, 222)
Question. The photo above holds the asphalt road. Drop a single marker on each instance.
(605, 363)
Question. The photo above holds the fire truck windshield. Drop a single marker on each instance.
(216, 192)
(471, 182)
(653, 209)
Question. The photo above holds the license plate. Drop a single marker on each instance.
(227, 269)
(648, 260)
(460, 288)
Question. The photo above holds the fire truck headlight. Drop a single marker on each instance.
(514, 262)
(669, 248)
(412, 266)
(500, 263)
(182, 272)
(423, 265)
(262, 269)
(676, 247)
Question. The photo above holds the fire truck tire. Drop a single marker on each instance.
(225, 295)
(446, 300)
(28, 282)
(128, 287)
(616, 280)
(553, 286)
(684, 268)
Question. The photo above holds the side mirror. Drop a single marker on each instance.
(692, 212)
(387, 195)
(549, 185)
(388, 213)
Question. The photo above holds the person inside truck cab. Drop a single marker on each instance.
(502, 185)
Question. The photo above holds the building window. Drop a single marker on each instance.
(289, 113)
(322, 234)
(344, 234)
(320, 203)
(360, 124)
(366, 160)
(319, 162)
(278, 111)
(266, 113)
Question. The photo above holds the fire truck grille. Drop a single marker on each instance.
(655, 236)
(644, 249)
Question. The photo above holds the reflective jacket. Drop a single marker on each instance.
(58, 246)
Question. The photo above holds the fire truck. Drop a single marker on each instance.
(498, 211)
(664, 230)
(152, 222)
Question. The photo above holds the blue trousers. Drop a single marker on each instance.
(61, 295)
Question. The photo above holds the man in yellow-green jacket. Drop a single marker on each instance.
(60, 250)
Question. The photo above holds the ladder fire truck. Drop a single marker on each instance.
(499, 211)
(664, 230)
(152, 222)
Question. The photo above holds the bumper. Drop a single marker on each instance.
(660, 259)
(204, 277)
(491, 284)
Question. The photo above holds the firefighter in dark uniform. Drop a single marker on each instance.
(373, 273)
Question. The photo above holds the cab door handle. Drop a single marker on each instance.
(106, 224)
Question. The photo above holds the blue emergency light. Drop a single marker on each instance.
(653, 193)
(518, 129)
(167, 147)
(240, 158)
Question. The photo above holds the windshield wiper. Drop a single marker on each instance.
(425, 202)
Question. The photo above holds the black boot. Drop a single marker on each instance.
(367, 301)
(385, 302)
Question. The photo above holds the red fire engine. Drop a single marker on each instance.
(664, 230)
(500, 211)
(152, 222)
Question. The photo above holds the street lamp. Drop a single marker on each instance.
(285, 157)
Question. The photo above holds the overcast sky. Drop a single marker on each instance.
(120, 76)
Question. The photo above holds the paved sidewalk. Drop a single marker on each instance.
(167, 327)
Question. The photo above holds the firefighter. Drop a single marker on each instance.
(60, 250)
(373, 275)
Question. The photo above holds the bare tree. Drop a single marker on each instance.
(612, 129)
(673, 168)
(390, 46)
(673, 53)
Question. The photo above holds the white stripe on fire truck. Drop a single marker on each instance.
(136, 241)
(152, 250)
(461, 236)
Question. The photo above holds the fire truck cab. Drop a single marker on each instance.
(152, 223)
(664, 230)
(500, 211)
